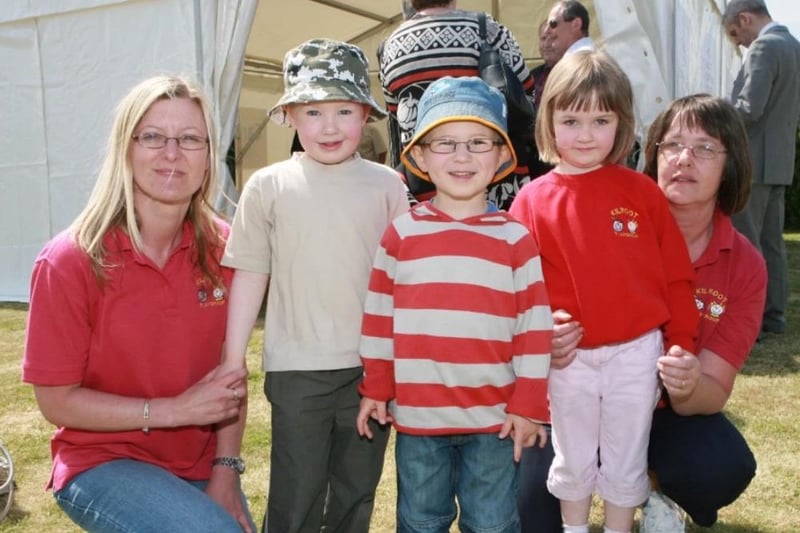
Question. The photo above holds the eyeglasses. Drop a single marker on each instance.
(553, 23)
(155, 141)
(700, 151)
(478, 145)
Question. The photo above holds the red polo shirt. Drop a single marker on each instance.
(730, 287)
(147, 333)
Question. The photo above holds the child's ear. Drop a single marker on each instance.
(505, 155)
(419, 157)
(287, 112)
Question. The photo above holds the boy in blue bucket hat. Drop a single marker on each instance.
(456, 331)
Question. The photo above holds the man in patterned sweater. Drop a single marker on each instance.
(440, 40)
(457, 326)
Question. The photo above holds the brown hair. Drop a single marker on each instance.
(720, 120)
(580, 81)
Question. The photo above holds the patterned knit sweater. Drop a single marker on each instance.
(457, 325)
(428, 47)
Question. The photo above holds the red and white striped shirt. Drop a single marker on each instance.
(457, 324)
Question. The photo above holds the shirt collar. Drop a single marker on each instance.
(722, 237)
(767, 27)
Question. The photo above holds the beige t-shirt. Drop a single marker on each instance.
(314, 229)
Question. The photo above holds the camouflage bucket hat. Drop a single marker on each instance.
(322, 70)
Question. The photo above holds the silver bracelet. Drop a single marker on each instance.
(146, 416)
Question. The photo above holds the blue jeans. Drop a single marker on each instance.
(135, 497)
(477, 469)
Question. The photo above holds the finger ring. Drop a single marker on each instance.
(235, 395)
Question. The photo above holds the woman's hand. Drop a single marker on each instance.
(680, 372)
(223, 488)
(213, 399)
(566, 336)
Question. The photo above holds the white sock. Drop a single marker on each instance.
(576, 529)
(609, 530)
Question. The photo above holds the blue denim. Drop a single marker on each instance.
(135, 497)
(478, 470)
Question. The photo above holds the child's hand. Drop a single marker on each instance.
(567, 333)
(524, 431)
(371, 409)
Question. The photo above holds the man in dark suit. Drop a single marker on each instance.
(766, 93)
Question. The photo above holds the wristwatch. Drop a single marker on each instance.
(237, 463)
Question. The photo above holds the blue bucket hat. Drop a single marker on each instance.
(460, 99)
(322, 70)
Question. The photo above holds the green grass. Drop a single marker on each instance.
(765, 406)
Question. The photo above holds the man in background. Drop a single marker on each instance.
(567, 29)
(549, 57)
(766, 93)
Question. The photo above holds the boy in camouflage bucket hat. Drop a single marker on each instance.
(307, 228)
(322, 70)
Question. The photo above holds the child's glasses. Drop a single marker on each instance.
(475, 146)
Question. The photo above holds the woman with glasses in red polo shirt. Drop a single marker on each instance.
(697, 151)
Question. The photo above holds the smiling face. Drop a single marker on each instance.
(546, 50)
(686, 179)
(461, 176)
(169, 175)
(329, 131)
(560, 33)
(584, 139)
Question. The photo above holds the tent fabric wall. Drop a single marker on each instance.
(66, 65)
(668, 49)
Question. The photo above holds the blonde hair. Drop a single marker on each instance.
(111, 203)
(581, 81)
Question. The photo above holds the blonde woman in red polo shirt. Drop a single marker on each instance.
(126, 326)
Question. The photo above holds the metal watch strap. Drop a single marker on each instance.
(236, 463)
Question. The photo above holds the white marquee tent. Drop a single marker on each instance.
(65, 64)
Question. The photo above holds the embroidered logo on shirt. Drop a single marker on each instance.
(710, 302)
(207, 296)
(624, 222)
